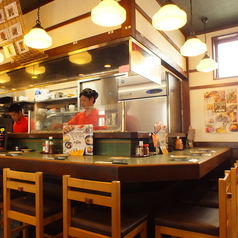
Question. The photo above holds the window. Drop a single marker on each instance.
(226, 55)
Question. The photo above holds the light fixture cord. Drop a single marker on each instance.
(205, 21)
(38, 13)
(191, 19)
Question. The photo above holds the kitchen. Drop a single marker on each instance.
(67, 41)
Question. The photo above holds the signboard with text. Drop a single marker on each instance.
(3, 139)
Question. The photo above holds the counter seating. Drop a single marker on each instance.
(234, 187)
(186, 220)
(30, 209)
(102, 216)
(13, 195)
(201, 198)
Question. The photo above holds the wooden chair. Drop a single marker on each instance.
(234, 187)
(200, 198)
(186, 221)
(30, 209)
(101, 216)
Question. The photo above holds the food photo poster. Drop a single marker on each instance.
(221, 111)
(78, 139)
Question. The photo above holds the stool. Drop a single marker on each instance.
(186, 220)
(102, 216)
(30, 209)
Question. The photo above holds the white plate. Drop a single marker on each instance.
(17, 153)
(179, 157)
(27, 150)
(196, 152)
(61, 156)
(204, 149)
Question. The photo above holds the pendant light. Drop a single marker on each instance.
(170, 17)
(193, 46)
(207, 64)
(108, 13)
(1, 57)
(80, 58)
(38, 38)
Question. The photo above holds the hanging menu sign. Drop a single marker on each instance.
(3, 139)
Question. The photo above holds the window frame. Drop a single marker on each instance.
(215, 42)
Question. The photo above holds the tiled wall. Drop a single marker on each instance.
(113, 147)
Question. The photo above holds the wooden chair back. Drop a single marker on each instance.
(92, 193)
(226, 203)
(234, 186)
(27, 182)
(32, 184)
(226, 209)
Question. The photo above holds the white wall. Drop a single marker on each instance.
(155, 36)
(197, 104)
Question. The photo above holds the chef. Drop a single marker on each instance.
(20, 124)
(90, 114)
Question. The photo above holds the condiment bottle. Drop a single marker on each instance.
(46, 146)
(43, 147)
(140, 149)
(51, 145)
(178, 144)
(146, 150)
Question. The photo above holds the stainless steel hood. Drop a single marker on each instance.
(135, 86)
(143, 90)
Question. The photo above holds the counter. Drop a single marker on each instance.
(139, 169)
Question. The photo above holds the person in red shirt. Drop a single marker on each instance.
(90, 116)
(20, 121)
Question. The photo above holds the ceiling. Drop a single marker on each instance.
(220, 13)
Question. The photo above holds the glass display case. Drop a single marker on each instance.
(52, 120)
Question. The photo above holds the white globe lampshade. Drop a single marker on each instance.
(1, 57)
(38, 38)
(108, 13)
(193, 47)
(169, 17)
(207, 64)
(81, 58)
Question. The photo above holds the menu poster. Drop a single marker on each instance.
(3, 139)
(221, 111)
(78, 139)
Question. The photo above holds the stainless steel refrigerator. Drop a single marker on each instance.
(145, 102)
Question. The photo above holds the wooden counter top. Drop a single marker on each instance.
(145, 169)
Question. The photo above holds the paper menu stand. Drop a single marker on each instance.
(190, 137)
(161, 137)
(78, 139)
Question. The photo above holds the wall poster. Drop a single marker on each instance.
(221, 111)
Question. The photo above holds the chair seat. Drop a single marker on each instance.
(201, 198)
(189, 217)
(100, 222)
(27, 205)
